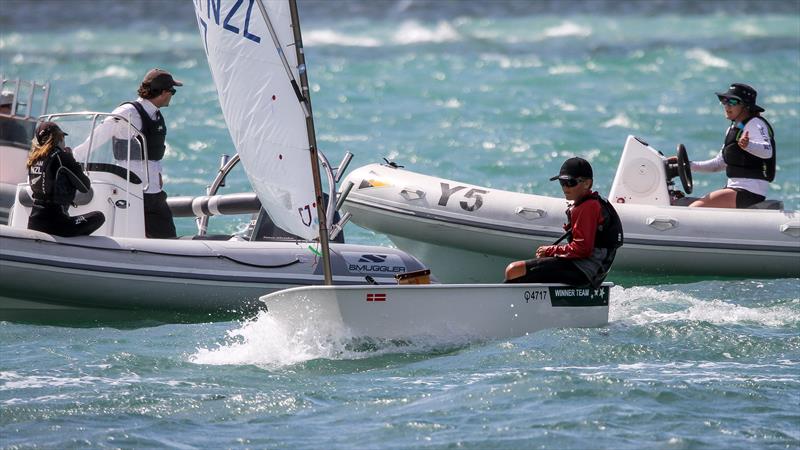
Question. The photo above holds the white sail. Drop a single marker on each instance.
(261, 109)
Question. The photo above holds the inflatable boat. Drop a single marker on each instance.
(468, 234)
(117, 269)
(118, 272)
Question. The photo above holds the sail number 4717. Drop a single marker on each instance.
(536, 295)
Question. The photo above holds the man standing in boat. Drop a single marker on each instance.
(594, 232)
(155, 92)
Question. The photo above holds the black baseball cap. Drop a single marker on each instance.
(574, 168)
(45, 129)
(742, 92)
(160, 80)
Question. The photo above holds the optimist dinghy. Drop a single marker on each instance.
(425, 310)
(118, 270)
(471, 311)
(468, 234)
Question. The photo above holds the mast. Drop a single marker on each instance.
(305, 103)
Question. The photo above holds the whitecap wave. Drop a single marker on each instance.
(707, 59)
(412, 32)
(408, 33)
(567, 29)
(318, 38)
(10, 381)
(566, 69)
(114, 72)
(620, 120)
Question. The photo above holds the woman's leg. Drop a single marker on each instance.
(84, 224)
(723, 198)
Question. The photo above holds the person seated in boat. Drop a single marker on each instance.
(55, 176)
(594, 232)
(747, 156)
(10, 129)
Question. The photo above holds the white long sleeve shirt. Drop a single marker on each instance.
(760, 145)
(111, 128)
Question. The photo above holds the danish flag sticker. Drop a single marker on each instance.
(376, 297)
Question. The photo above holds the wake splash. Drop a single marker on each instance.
(266, 342)
(648, 305)
(270, 344)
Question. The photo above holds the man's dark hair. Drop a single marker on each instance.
(146, 93)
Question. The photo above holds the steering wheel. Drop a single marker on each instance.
(684, 169)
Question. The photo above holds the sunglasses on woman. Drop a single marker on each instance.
(569, 182)
(730, 101)
(172, 91)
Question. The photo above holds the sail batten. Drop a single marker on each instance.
(262, 105)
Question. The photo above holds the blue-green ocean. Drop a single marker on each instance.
(493, 93)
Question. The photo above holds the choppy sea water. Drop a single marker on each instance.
(494, 93)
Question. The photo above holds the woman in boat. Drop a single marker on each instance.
(747, 156)
(594, 232)
(55, 176)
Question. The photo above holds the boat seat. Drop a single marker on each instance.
(81, 198)
(685, 201)
(768, 204)
(114, 169)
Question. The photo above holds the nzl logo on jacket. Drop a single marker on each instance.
(373, 263)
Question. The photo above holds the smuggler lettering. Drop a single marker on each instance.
(371, 263)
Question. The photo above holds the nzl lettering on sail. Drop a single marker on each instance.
(232, 22)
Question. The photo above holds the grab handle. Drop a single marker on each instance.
(412, 194)
(530, 213)
(662, 223)
(791, 229)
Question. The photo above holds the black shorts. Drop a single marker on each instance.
(552, 270)
(746, 199)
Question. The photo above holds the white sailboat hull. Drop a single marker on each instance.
(473, 311)
(463, 245)
(42, 272)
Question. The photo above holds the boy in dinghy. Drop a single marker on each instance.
(594, 232)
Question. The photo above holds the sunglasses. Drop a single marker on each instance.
(730, 101)
(569, 182)
(172, 91)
